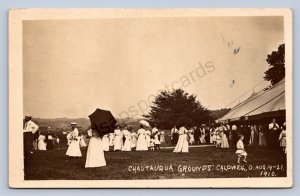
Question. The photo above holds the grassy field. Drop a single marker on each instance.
(202, 162)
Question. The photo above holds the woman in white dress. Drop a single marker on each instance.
(118, 140)
(95, 154)
(191, 136)
(127, 142)
(182, 144)
(141, 142)
(74, 146)
(162, 137)
(157, 140)
(105, 142)
(202, 138)
(82, 141)
(111, 137)
(261, 136)
(214, 137)
(224, 140)
(41, 142)
(148, 138)
(133, 139)
(282, 138)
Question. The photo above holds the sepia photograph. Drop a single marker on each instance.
(153, 98)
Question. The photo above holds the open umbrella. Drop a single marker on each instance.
(103, 121)
(145, 123)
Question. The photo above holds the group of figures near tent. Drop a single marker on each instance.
(224, 135)
(217, 134)
(145, 138)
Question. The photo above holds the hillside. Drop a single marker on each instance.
(216, 114)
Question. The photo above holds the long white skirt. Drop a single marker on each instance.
(182, 144)
(133, 142)
(127, 144)
(105, 143)
(202, 139)
(118, 142)
(42, 145)
(74, 149)
(141, 143)
(95, 154)
(192, 138)
(82, 142)
(148, 140)
(111, 140)
(224, 141)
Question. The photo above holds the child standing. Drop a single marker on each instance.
(156, 141)
(240, 152)
(152, 143)
(282, 138)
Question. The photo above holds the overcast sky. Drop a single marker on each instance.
(71, 67)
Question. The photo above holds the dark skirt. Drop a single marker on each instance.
(49, 145)
(28, 143)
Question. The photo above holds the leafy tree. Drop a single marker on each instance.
(177, 107)
(276, 70)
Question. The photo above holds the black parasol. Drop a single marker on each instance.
(103, 121)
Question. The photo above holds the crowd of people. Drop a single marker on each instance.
(222, 135)
(122, 139)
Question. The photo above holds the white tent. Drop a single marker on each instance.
(265, 103)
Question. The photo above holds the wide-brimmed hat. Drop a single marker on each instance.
(28, 116)
(73, 123)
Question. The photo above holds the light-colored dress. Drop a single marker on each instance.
(282, 138)
(218, 137)
(224, 140)
(41, 142)
(182, 144)
(262, 139)
(133, 139)
(82, 141)
(191, 136)
(162, 137)
(240, 149)
(211, 135)
(105, 143)
(214, 135)
(253, 134)
(141, 142)
(152, 142)
(127, 143)
(156, 140)
(154, 130)
(147, 134)
(74, 147)
(111, 137)
(95, 154)
(202, 138)
(118, 140)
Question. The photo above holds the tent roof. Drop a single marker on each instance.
(270, 100)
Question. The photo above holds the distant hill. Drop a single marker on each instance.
(63, 124)
(216, 114)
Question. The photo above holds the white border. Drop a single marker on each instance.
(16, 175)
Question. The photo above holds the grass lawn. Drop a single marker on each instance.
(201, 162)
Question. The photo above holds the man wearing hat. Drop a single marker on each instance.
(28, 130)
